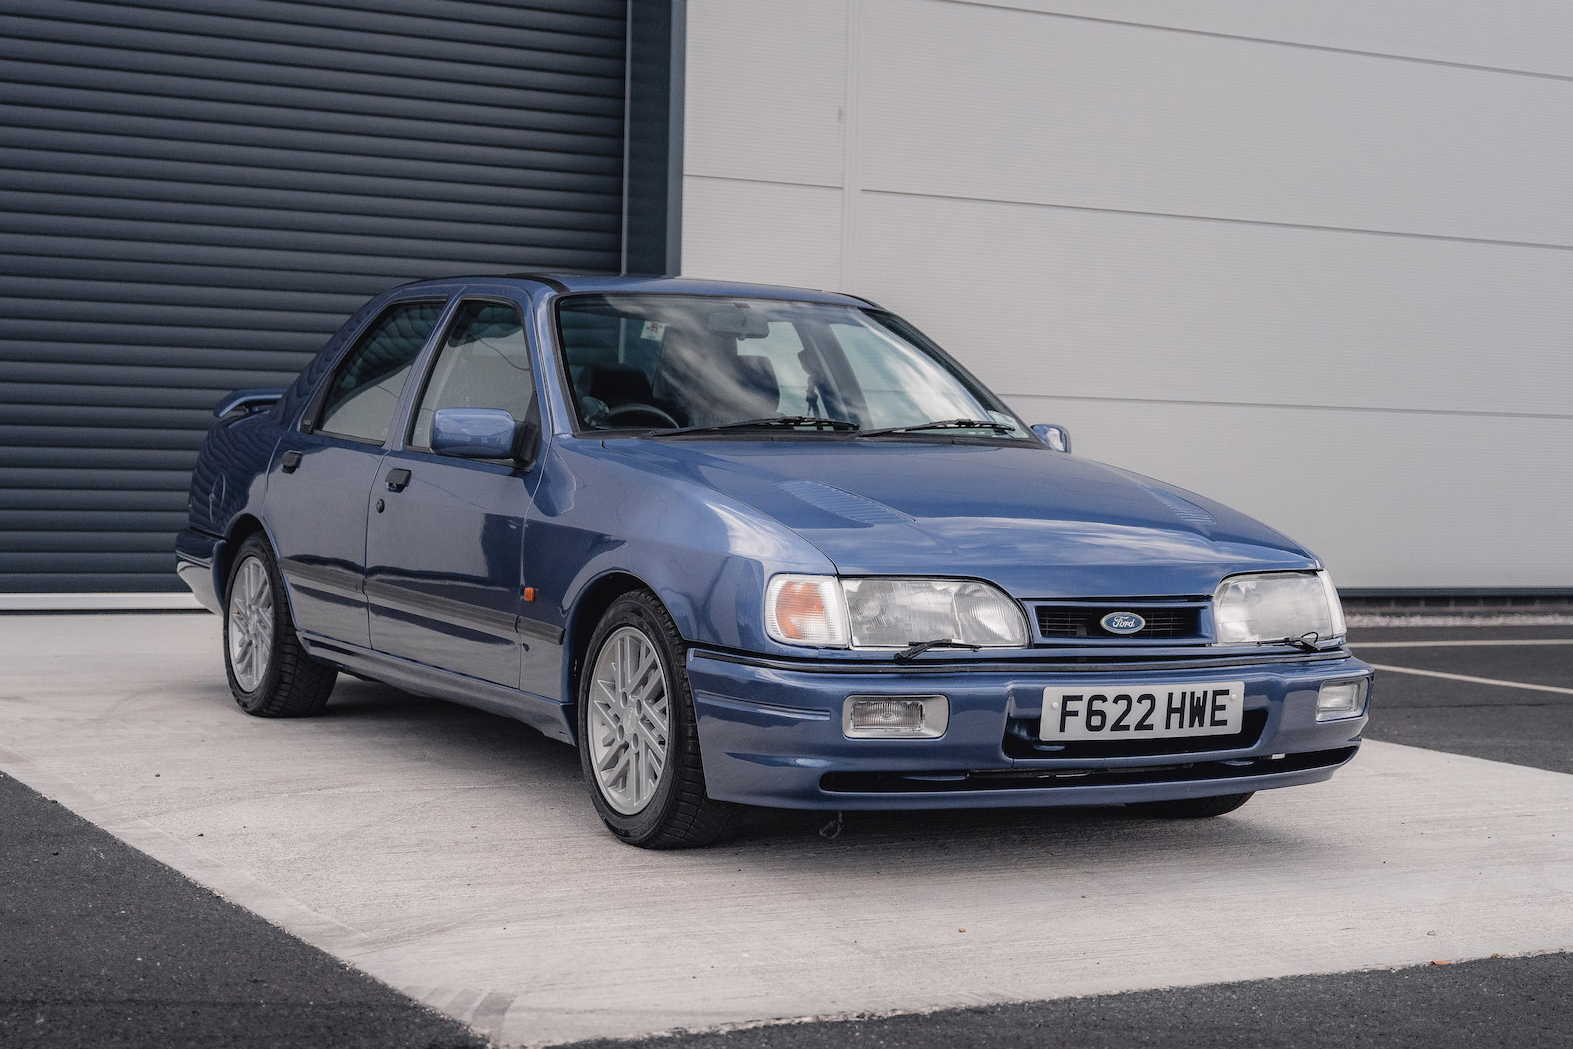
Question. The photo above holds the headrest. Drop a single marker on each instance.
(759, 375)
(616, 384)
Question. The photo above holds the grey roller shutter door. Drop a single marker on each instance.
(195, 193)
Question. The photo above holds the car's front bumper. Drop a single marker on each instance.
(771, 734)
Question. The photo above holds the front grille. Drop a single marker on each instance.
(1021, 741)
(1058, 622)
(975, 780)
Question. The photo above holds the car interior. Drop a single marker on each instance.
(704, 370)
(485, 364)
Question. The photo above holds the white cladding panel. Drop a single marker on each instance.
(1329, 288)
(1519, 35)
(1068, 111)
(765, 89)
(788, 228)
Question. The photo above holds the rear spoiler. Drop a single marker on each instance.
(250, 400)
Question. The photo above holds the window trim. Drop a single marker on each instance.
(311, 418)
(444, 329)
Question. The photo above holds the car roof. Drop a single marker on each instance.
(574, 283)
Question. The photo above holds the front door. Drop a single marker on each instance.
(444, 543)
(321, 476)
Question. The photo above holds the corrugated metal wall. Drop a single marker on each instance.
(195, 194)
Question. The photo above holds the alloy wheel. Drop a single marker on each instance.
(629, 720)
(250, 626)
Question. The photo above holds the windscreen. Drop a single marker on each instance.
(658, 362)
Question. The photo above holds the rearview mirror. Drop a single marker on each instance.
(1056, 437)
(473, 433)
(738, 323)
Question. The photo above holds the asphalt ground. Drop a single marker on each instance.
(101, 945)
(1511, 1002)
(1500, 722)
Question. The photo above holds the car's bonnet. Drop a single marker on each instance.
(1038, 522)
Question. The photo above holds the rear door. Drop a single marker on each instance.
(321, 477)
(444, 546)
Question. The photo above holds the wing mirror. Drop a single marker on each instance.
(483, 433)
(1056, 437)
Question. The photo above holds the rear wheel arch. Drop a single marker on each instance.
(242, 528)
(270, 673)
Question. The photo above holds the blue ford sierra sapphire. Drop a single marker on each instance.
(747, 545)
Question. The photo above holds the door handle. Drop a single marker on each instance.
(397, 479)
(288, 461)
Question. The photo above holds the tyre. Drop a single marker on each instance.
(638, 738)
(1192, 808)
(269, 672)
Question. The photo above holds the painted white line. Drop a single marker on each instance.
(1482, 642)
(1470, 678)
(98, 602)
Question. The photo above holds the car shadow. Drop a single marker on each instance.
(1108, 832)
(549, 771)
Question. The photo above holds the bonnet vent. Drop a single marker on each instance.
(1184, 509)
(843, 504)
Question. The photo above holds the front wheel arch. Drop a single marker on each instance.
(589, 607)
(678, 813)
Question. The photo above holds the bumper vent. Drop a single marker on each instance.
(972, 781)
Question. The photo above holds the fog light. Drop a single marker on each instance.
(1342, 699)
(895, 717)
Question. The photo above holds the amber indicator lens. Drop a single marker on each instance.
(806, 610)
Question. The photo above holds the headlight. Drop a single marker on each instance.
(890, 613)
(1271, 606)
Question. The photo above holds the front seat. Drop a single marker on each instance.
(710, 383)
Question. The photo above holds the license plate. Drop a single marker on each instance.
(1143, 712)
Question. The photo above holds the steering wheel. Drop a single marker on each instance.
(648, 410)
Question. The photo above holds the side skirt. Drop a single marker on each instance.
(545, 716)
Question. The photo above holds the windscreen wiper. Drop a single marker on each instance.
(943, 424)
(1306, 642)
(770, 422)
(917, 648)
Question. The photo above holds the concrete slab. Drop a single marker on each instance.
(455, 856)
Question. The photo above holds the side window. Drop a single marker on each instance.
(364, 394)
(483, 363)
